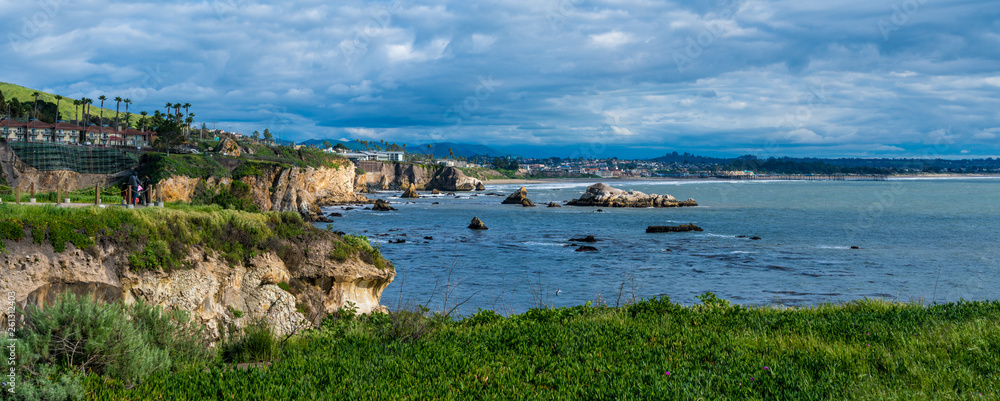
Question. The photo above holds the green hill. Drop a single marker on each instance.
(66, 109)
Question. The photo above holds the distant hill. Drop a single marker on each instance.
(440, 149)
(66, 109)
(690, 158)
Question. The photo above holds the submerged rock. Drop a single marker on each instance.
(382, 206)
(589, 238)
(604, 195)
(673, 229)
(553, 204)
(477, 224)
(586, 249)
(756, 238)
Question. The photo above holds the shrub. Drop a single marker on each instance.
(256, 343)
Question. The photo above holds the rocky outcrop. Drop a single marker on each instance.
(517, 198)
(589, 238)
(606, 196)
(452, 179)
(477, 224)
(586, 248)
(411, 192)
(211, 289)
(527, 203)
(480, 186)
(382, 206)
(279, 189)
(228, 147)
(673, 229)
(553, 204)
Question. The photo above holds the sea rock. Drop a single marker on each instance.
(335, 214)
(383, 183)
(673, 229)
(411, 192)
(517, 198)
(756, 238)
(480, 186)
(398, 241)
(553, 204)
(606, 196)
(382, 206)
(855, 247)
(589, 238)
(527, 203)
(452, 179)
(477, 224)
(435, 192)
(586, 249)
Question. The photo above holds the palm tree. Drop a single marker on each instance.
(76, 104)
(36, 94)
(143, 120)
(177, 113)
(58, 99)
(118, 103)
(168, 106)
(128, 116)
(102, 98)
(187, 110)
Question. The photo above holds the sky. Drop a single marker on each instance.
(577, 78)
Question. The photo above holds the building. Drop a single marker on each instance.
(13, 130)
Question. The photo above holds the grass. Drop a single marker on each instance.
(108, 195)
(654, 349)
(66, 109)
(161, 238)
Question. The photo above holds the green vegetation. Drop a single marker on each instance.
(58, 344)
(108, 195)
(653, 349)
(161, 238)
(66, 109)
(160, 166)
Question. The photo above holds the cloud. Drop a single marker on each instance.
(781, 76)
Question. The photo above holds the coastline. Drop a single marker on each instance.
(506, 181)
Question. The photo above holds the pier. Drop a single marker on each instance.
(807, 177)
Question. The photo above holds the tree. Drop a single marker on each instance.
(326, 145)
(36, 94)
(59, 98)
(128, 116)
(187, 107)
(340, 147)
(118, 101)
(451, 154)
(168, 107)
(3, 102)
(102, 98)
(267, 135)
(76, 105)
(255, 136)
(143, 119)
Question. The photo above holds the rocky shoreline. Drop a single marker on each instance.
(605, 196)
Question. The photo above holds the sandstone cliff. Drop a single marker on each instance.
(18, 174)
(318, 270)
(399, 176)
(279, 189)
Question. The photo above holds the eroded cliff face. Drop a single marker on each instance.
(296, 189)
(217, 293)
(399, 176)
(20, 175)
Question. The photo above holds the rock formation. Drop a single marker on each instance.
(382, 206)
(673, 229)
(228, 147)
(589, 238)
(452, 179)
(435, 192)
(586, 249)
(527, 203)
(517, 198)
(603, 195)
(480, 186)
(477, 224)
(411, 192)
(553, 204)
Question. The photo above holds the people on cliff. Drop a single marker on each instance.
(133, 183)
(146, 185)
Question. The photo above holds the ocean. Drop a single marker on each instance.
(917, 240)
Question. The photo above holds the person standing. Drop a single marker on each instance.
(133, 182)
(146, 189)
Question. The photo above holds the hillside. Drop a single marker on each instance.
(66, 109)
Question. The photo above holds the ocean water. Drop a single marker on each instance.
(923, 240)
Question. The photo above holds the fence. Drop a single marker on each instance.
(45, 156)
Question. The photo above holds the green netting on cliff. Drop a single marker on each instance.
(81, 159)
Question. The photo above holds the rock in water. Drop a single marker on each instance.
(411, 192)
(435, 192)
(603, 195)
(477, 224)
(589, 238)
(383, 183)
(382, 206)
(673, 229)
(586, 249)
(452, 179)
(517, 198)
(527, 203)
(553, 204)
(480, 186)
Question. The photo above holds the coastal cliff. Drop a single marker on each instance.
(378, 176)
(18, 174)
(226, 267)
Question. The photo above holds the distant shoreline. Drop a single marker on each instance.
(672, 179)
